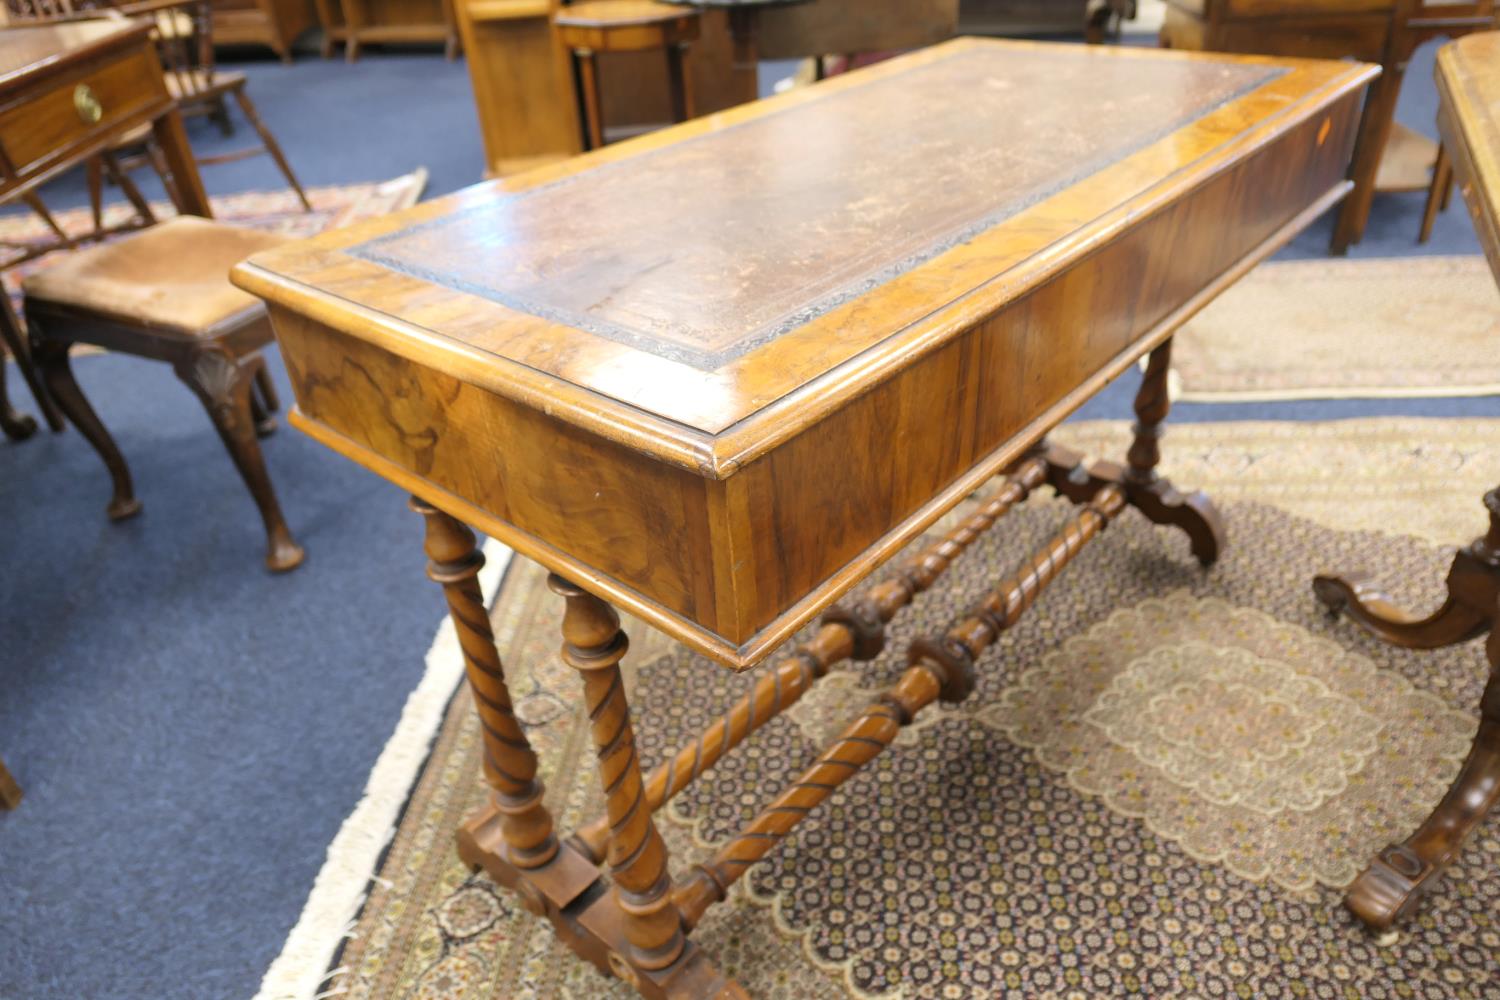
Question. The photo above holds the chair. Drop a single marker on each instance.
(164, 294)
(184, 35)
(595, 26)
(184, 30)
(10, 792)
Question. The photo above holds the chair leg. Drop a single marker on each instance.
(164, 171)
(220, 114)
(272, 146)
(52, 357)
(40, 208)
(679, 82)
(263, 403)
(13, 337)
(1442, 178)
(224, 384)
(17, 426)
(588, 78)
(10, 792)
(128, 189)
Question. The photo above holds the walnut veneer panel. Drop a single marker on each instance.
(1468, 72)
(886, 300)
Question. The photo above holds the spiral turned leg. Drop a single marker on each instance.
(855, 631)
(940, 668)
(510, 765)
(594, 644)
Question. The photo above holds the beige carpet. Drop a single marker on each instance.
(1162, 782)
(1328, 329)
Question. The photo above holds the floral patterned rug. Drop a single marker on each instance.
(1327, 329)
(1160, 786)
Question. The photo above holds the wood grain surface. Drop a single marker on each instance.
(1015, 269)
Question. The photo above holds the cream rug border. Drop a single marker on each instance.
(340, 887)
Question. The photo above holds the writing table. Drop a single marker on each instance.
(718, 374)
(1391, 888)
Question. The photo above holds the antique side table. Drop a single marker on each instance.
(718, 374)
(1468, 74)
(67, 93)
(1381, 31)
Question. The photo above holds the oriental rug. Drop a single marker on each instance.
(1330, 329)
(1163, 781)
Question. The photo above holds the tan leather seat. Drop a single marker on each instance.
(172, 277)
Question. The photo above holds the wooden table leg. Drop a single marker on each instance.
(1392, 887)
(187, 185)
(594, 644)
(1374, 131)
(510, 765)
(10, 792)
(1147, 491)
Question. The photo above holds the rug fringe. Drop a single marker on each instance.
(340, 888)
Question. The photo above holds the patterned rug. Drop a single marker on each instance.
(279, 211)
(1159, 787)
(1329, 329)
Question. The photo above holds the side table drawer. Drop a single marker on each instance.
(41, 128)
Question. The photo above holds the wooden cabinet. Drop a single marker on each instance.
(358, 22)
(272, 23)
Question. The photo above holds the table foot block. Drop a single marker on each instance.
(571, 893)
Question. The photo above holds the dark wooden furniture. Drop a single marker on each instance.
(357, 23)
(1383, 31)
(1468, 73)
(69, 92)
(275, 24)
(164, 294)
(719, 374)
(600, 26)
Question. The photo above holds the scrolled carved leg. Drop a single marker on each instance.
(1145, 489)
(224, 385)
(1394, 884)
(52, 358)
(849, 631)
(594, 644)
(510, 765)
(1355, 596)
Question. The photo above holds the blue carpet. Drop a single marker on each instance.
(191, 731)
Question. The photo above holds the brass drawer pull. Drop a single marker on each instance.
(86, 103)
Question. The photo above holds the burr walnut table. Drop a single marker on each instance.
(1468, 73)
(718, 374)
